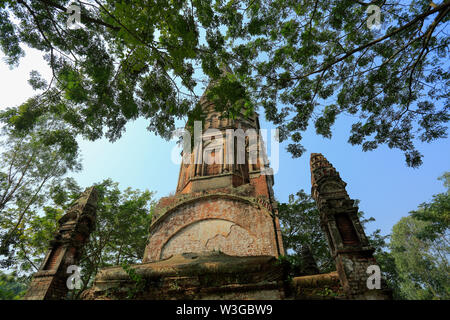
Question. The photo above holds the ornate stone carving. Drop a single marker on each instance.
(339, 220)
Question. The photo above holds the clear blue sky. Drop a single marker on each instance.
(387, 188)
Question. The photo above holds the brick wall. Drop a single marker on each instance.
(232, 225)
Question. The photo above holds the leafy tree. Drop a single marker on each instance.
(304, 62)
(122, 222)
(420, 248)
(300, 227)
(129, 60)
(29, 165)
(312, 61)
(423, 273)
(437, 213)
(11, 287)
(33, 240)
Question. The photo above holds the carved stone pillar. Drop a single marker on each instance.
(339, 220)
(65, 249)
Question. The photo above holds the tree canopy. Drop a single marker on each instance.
(30, 165)
(305, 63)
(120, 236)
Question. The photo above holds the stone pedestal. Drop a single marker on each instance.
(209, 275)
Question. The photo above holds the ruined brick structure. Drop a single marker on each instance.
(218, 240)
(347, 241)
(65, 249)
(222, 202)
(218, 236)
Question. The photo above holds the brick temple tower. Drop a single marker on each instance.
(224, 199)
(218, 236)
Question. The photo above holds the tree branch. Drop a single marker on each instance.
(420, 17)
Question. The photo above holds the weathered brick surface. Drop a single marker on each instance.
(231, 225)
(194, 276)
(226, 207)
(318, 286)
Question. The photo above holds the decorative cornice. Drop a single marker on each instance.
(259, 203)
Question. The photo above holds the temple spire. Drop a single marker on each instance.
(221, 157)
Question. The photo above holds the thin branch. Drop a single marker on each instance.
(420, 17)
(425, 49)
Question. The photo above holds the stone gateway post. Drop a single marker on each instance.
(347, 241)
(50, 282)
